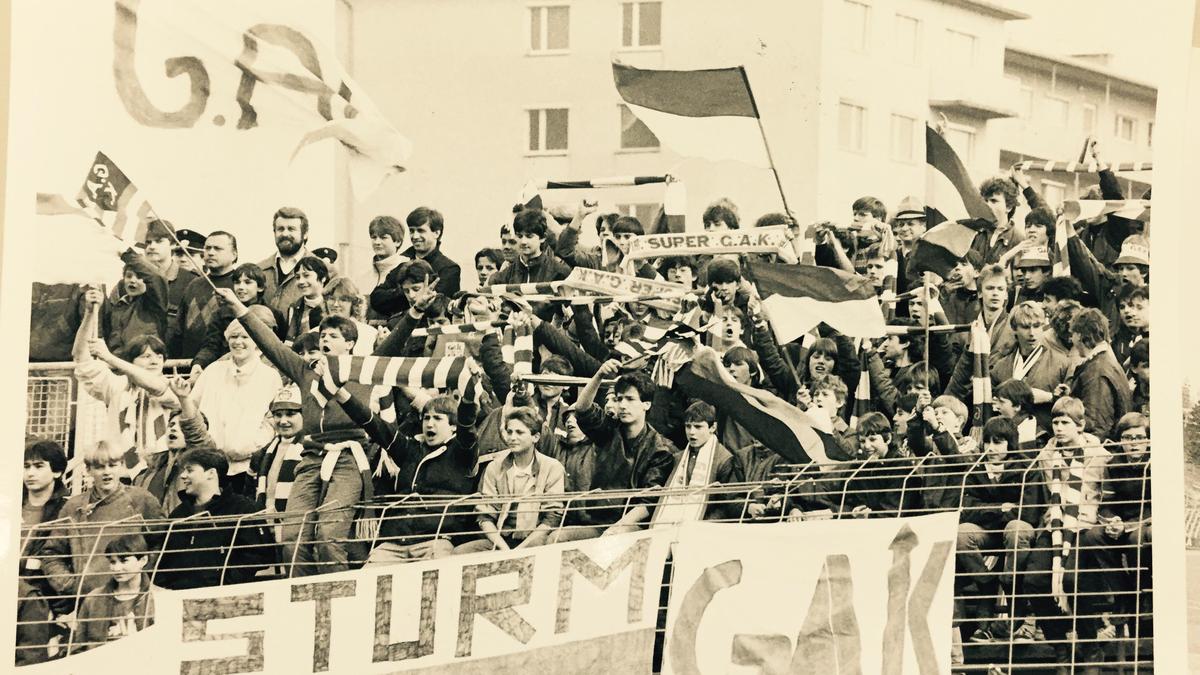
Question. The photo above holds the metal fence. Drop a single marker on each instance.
(1010, 615)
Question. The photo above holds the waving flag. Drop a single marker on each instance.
(862, 392)
(698, 113)
(777, 424)
(798, 297)
(71, 248)
(109, 196)
(964, 200)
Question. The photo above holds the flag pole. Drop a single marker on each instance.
(766, 145)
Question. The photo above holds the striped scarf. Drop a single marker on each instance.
(460, 329)
(1066, 494)
(687, 506)
(1081, 167)
(516, 345)
(862, 393)
(417, 373)
(143, 428)
(287, 474)
(539, 288)
(980, 347)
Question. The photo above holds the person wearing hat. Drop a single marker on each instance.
(1035, 266)
(275, 463)
(193, 246)
(234, 391)
(1132, 267)
(159, 248)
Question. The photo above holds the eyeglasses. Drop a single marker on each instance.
(1134, 437)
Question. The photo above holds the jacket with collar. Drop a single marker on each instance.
(1104, 389)
(98, 614)
(281, 291)
(198, 552)
(540, 503)
(369, 280)
(414, 468)
(125, 318)
(1095, 460)
(544, 268)
(73, 557)
(1018, 484)
(640, 462)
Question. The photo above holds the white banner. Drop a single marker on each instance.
(823, 597)
(610, 283)
(204, 105)
(583, 607)
(754, 240)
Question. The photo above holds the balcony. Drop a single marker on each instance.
(955, 90)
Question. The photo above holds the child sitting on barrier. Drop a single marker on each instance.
(531, 483)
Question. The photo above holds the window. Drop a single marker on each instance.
(908, 39)
(903, 131)
(962, 139)
(548, 130)
(1149, 134)
(1026, 103)
(635, 135)
(1053, 193)
(1125, 128)
(852, 127)
(1057, 111)
(645, 213)
(960, 49)
(856, 17)
(641, 24)
(549, 29)
(1089, 119)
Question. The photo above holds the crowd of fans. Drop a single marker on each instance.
(1052, 489)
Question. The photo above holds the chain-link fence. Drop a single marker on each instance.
(1053, 552)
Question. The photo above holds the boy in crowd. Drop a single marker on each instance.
(42, 497)
(1002, 504)
(939, 434)
(535, 261)
(138, 305)
(124, 605)
(439, 462)
(275, 464)
(1074, 468)
(72, 558)
(533, 484)
(703, 462)
(387, 236)
(210, 547)
(1098, 382)
(879, 481)
(630, 454)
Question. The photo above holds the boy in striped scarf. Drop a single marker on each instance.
(1074, 467)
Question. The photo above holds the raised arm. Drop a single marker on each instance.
(283, 358)
(154, 383)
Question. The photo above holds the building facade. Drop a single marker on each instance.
(497, 93)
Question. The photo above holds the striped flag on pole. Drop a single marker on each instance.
(1081, 167)
(114, 201)
(418, 373)
(952, 193)
(798, 297)
(698, 113)
(980, 346)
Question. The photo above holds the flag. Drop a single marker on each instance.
(71, 248)
(671, 214)
(798, 297)
(777, 424)
(109, 196)
(284, 70)
(418, 373)
(943, 246)
(980, 346)
(965, 200)
(1062, 261)
(709, 114)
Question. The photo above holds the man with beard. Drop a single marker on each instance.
(198, 307)
(290, 227)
